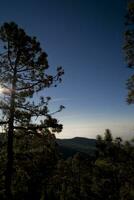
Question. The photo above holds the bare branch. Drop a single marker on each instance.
(3, 122)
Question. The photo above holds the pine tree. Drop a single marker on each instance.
(23, 66)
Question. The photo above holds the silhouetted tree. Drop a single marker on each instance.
(129, 49)
(23, 66)
(113, 169)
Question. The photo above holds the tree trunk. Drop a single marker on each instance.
(9, 167)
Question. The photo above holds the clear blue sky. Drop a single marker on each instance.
(86, 38)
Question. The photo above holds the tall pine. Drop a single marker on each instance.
(23, 66)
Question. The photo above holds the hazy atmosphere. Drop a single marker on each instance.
(86, 39)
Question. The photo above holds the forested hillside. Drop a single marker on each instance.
(34, 164)
(40, 172)
(69, 147)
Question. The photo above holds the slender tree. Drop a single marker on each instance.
(129, 49)
(23, 66)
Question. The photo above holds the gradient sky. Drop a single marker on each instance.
(86, 38)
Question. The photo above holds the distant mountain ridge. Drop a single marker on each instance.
(69, 147)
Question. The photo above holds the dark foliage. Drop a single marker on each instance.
(40, 173)
(129, 49)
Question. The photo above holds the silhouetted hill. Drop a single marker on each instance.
(69, 147)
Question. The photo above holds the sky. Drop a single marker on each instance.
(85, 37)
